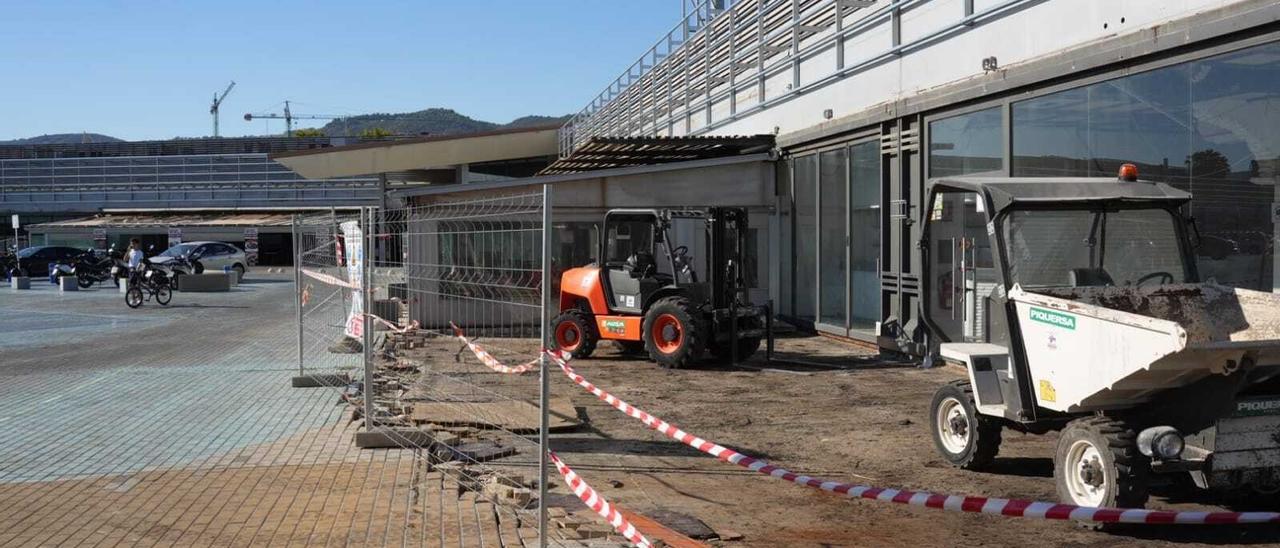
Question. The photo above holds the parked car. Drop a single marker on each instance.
(202, 256)
(1217, 247)
(35, 260)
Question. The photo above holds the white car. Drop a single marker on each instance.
(204, 256)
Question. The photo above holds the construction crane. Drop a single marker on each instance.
(289, 117)
(217, 102)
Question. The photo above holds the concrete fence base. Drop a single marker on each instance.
(67, 283)
(200, 283)
(20, 282)
(318, 380)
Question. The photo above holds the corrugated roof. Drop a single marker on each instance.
(129, 220)
(615, 152)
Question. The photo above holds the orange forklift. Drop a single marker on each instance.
(646, 295)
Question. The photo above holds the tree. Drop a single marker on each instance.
(374, 133)
(1209, 164)
(308, 132)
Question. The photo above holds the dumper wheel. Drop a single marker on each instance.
(575, 333)
(674, 334)
(1098, 464)
(965, 438)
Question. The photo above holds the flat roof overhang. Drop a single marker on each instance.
(745, 181)
(424, 153)
(127, 221)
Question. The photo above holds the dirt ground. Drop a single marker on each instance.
(844, 415)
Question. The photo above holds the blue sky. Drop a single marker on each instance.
(148, 69)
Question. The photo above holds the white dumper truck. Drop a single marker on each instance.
(1076, 307)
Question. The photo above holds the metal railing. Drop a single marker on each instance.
(716, 66)
(697, 13)
(220, 180)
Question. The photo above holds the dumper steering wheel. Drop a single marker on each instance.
(1165, 278)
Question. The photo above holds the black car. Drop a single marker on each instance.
(35, 260)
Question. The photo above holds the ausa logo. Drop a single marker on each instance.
(615, 326)
(1058, 319)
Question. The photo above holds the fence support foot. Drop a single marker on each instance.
(321, 380)
(384, 438)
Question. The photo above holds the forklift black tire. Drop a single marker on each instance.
(967, 440)
(1097, 463)
(673, 333)
(575, 333)
(630, 348)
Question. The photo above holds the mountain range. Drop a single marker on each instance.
(432, 121)
(63, 138)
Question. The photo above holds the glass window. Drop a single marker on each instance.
(1206, 126)
(1093, 248)
(625, 238)
(806, 197)
(966, 144)
(178, 250)
(1089, 132)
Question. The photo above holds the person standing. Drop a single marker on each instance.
(133, 257)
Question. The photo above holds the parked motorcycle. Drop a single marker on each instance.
(9, 262)
(90, 267)
(149, 281)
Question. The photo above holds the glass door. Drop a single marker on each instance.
(864, 237)
(962, 272)
(833, 241)
(848, 236)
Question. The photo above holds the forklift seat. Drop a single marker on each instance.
(642, 265)
(1091, 277)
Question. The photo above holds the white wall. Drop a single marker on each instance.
(1037, 30)
(1043, 29)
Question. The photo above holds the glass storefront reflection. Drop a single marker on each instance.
(1205, 126)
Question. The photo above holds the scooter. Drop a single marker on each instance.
(59, 270)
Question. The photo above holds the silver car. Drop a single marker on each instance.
(204, 256)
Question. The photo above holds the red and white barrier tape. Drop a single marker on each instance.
(330, 279)
(488, 359)
(597, 503)
(395, 326)
(955, 503)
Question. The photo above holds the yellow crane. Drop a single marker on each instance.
(289, 117)
(217, 102)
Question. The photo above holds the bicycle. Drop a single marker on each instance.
(152, 280)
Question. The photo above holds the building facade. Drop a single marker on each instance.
(870, 99)
(50, 186)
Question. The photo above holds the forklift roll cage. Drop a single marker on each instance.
(718, 245)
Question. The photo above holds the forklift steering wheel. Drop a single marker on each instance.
(680, 251)
(1165, 278)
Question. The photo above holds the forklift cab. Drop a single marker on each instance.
(984, 237)
(636, 260)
